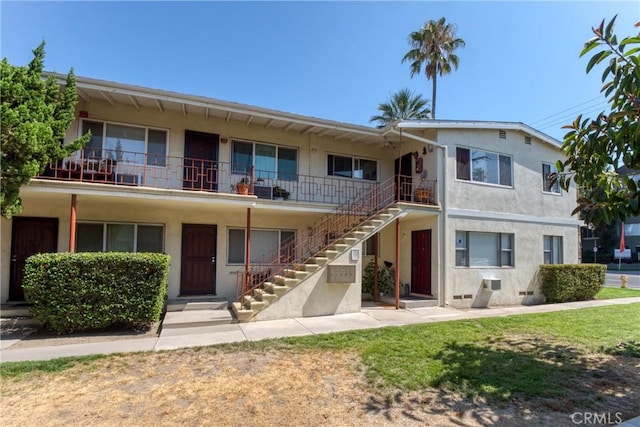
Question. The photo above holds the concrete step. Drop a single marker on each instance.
(410, 301)
(374, 222)
(285, 281)
(356, 234)
(296, 274)
(242, 314)
(349, 241)
(366, 228)
(275, 289)
(263, 295)
(329, 254)
(195, 318)
(383, 216)
(197, 303)
(15, 309)
(318, 260)
(339, 247)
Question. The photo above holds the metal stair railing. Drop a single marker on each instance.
(325, 232)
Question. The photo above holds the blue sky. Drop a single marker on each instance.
(334, 60)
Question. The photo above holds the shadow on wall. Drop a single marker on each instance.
(326, 298)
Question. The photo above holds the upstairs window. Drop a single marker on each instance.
(352, 167)
(124, 143)
(269, 161)
(548, 184)
(483, 166)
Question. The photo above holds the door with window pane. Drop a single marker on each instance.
(198, 275)
(200, 161)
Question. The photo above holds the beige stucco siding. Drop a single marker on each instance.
(522, 277)
(526, 196)
(171, 215)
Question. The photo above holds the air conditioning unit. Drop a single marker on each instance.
(492, 284)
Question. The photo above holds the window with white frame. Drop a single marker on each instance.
(483, 166)
(119, 237)
(266, 245)
(552, 249)
(479, 249)
(549, 185)
(269, 161)
(125, 143)
(352, 167)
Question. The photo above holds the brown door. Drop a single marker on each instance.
(402, 170)
(200, 161)
(198, 259)
(421, 262)
(29, 236)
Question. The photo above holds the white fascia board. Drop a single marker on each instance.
(470, 124)
(212, 103)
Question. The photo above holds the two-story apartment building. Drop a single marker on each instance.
(453, 203)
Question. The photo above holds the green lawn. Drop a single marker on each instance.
(536, 355)
(611, 293)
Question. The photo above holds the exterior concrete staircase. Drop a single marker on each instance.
(279, 284)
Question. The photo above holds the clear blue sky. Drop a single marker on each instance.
(334, 60)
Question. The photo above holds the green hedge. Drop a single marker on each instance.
(571, 282)
(73, 292)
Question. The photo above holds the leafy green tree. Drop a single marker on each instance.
(597, 148)
(35, 115)
(433, 47)
(402, 105)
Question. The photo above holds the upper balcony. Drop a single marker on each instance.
(133, 169)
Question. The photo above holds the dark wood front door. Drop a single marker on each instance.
(29, 236)
(200, 161)
(198, 259)
(421, 262)
(403, 168)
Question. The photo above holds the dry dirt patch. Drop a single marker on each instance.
(210, 386)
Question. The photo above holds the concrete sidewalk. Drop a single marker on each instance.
(371, 316)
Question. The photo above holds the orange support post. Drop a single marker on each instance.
(72, 225)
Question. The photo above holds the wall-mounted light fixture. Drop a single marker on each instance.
(224, 140)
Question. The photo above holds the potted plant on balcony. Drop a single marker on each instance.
(280, 193)
(242, 187)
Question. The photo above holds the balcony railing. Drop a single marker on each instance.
(123, 168)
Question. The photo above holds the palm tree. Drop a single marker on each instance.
(402, 105)
(433, 46)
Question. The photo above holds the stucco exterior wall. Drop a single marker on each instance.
(170, 214)
(312, 148)
(526, 196)
(315, 297)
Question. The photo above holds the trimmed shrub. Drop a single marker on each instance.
(74, 292)
(571, 282)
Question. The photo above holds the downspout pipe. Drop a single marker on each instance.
(444, 276)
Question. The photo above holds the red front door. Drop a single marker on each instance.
(29, 236)
(198, 259)
(421, 262)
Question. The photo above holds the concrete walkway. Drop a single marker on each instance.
(371, 316)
